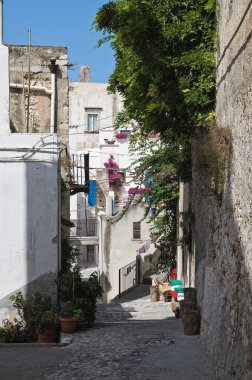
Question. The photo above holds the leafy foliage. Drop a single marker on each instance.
(33, 311)
(164, 52)
(79, 294)
(164, 61)
(83, 305)
(212, 149)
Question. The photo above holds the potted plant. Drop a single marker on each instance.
(35, 314)
(68, 318)
(122, 136)
(68, 322)
(47, 327)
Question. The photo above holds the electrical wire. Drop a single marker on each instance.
(100, 129)
(31, 150)
(87, 151)
(70, 127)
(80, 125)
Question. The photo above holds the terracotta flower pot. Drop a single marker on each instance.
(68, 324)
(48, 336)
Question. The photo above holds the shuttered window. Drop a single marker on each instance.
(136, 230)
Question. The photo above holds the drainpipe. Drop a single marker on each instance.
(53, 93)
(34, 88)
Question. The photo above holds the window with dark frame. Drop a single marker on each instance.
(136, 230)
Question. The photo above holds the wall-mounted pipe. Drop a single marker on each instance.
(33, 88)
(51, 92)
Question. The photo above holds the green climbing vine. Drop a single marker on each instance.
(164, 51)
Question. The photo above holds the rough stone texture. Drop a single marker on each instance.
(40, 103)
(102, 188)
(223, 229)
(150, 345)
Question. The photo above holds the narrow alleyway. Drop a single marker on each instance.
(133, 339)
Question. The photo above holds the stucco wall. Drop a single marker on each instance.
(29, 215)
(118, 248)
(86, 98)
(223, 229)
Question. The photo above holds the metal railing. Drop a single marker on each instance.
(84, 228)
(129, 276)
(78, 166)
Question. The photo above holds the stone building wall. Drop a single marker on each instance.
(223, 227)
(40, 102)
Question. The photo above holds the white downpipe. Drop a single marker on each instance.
(33, 88)
(53, 81)
(1, 22)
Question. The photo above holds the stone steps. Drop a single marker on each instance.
(134, 310)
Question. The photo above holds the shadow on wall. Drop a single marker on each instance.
(30, 247)
(42, 226)
(105, 283)
(223, 281)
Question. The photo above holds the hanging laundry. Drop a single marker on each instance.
(92, 193)
(141, 250)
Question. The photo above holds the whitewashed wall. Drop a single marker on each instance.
(91, 96)
(29, 214)
(117, 246)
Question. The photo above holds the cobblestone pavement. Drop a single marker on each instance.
(133, 339)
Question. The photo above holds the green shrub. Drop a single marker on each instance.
(32, 311)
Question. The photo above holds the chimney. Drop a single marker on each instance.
(84, 74)
(4, 81)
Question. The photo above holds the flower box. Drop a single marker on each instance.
(121, 136)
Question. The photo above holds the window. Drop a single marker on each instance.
(136, 230)
(92, 122)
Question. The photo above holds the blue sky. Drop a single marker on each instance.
(60, 23)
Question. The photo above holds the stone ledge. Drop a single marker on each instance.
(64, 341)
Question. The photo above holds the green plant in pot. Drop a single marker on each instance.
(68, 320)
(84, 310)
(47, 327)
(86, 295)
(32, 312)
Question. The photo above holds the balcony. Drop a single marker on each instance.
(84, 228)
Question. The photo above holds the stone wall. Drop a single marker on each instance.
(42, 58)
(40, 104)
(223, 227)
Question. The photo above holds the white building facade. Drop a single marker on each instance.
(92, 112)
(29, 204)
